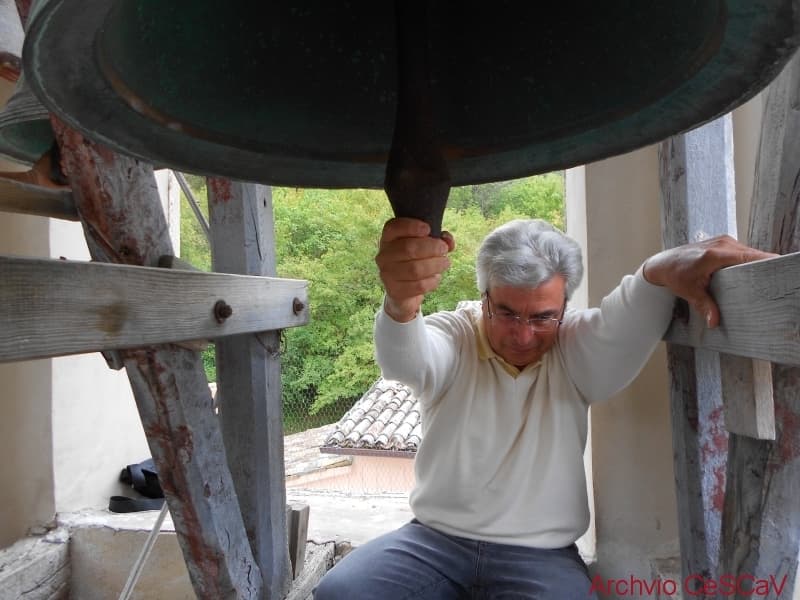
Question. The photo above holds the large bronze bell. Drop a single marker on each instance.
(305, 93)
(25, 130)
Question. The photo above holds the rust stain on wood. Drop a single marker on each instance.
(113, 317)
(788, 424)
(221, 189)
(718, 488)
(714, 452)
(24, 7)
(176, 448)
(123, 220)
(105, 187)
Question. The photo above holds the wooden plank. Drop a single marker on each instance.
(696, 180)
(249, 380)
(747, 395)
(64, 307)
(318, 561)
(24, 198)
(124, 221)
(298, 536)
(761, 520)
(760, 307)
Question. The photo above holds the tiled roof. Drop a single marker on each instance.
(302, 455)
(387, 418)
(301, 450)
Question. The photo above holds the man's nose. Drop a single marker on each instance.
(524, 333)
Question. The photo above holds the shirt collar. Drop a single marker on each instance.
(485, 351)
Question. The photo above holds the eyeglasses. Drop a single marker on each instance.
(512, 319)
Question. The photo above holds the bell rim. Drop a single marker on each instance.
(23, 112)
(205, 157)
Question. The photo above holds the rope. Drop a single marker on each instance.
(136, 571)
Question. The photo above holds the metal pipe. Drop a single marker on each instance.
(193, 203)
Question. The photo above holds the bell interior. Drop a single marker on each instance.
(305, 93)
(318, 79)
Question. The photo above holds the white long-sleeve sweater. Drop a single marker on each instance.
(501, 458)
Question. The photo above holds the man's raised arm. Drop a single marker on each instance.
(411, 264)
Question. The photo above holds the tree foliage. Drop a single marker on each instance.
(329, 237)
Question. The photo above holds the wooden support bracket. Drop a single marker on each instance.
(28, 199)
(747, 396)
(124, 222)
(298, 532)
(249, 380)
(761, 518)
(697, 202)
(54, 307)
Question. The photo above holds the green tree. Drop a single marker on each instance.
(194, 245)
(532, 197)
(329, 238)
(195, 249)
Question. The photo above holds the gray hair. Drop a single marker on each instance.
(527, 253)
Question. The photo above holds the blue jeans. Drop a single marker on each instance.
(419, 562)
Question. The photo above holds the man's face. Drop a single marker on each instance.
(524, 340)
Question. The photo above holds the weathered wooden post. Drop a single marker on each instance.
(249, 380)
(698, 202)
(761, 521)
(117, 200)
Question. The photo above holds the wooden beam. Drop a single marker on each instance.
(760, 312)
(124, 222)
(24, 198)
(58, 307)
(249, 380)
(747, 394)
(298, 534)
(761, 519)
(696, 180)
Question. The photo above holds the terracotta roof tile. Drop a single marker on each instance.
(387, 417)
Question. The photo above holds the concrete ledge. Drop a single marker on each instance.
(36, 568)
(105, 546)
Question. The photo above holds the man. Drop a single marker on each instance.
(505, 384)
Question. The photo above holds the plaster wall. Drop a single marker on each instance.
(69, 424)
(26, 470)
(27, 495)
(631, 443)
(96, 428)
(575, 182)
(365, 475)
(746, 135)
(96, 425)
